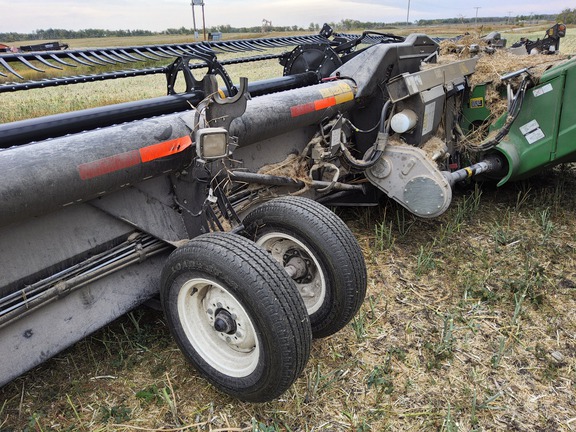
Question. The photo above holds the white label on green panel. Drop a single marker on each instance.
(534, 136)
(541, 90)
(529, 127)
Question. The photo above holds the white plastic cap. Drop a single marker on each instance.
(403, 121)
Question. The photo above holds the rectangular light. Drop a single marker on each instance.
(211, 143)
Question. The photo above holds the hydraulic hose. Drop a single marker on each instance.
(512, 115)
(377, 149)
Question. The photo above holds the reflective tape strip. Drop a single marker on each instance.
(335, 95)
(344, 97)
(109, 164)
(338, 89)
(166, 148)
(131, 158)
(324, 103)
(299, 110)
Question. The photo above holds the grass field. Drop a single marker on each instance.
(468, 324)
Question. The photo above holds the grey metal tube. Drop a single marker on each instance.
(42, 177)
(318, 184)
(271, 115)
(491, 164)
(271, 180)
(265, 179)
(48, 175)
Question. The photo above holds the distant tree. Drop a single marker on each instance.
(567, 16)
(173, 31)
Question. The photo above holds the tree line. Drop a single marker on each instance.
(517, 20)
(71, 34)
(568, 16)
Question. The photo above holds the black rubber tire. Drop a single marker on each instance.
(334, 246)
(251, 278)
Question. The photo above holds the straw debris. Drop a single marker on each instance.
(492, 66)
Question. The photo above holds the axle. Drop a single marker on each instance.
(492, 164)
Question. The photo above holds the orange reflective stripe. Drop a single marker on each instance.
(299, 110)
(108, 165)
(334, 95)
(166, 148)
(128, 159)
(324, 103)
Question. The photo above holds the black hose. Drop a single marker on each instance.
(512, 115)
(377, 149)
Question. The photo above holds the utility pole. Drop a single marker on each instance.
(203, 21)
(198, 3)
(194, 20)
(408, 14)
(476, 20)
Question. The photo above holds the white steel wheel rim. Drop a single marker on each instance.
(234, 355)
(313, 292)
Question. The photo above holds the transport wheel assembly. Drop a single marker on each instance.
(236, 316)
(319, 252)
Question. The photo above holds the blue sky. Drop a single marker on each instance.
(29, 15)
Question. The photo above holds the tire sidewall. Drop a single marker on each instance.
(334, 246)
(257, 379)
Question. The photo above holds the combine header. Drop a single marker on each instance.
(186, 195)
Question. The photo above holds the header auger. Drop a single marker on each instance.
(188, 195)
